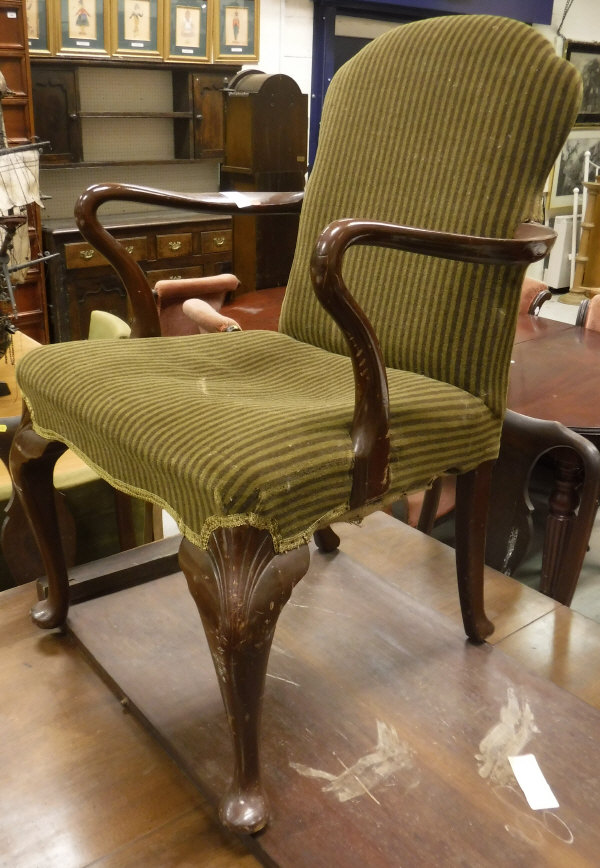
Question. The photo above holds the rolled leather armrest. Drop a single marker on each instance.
(206, 318)
(175, 291)
(171, 294)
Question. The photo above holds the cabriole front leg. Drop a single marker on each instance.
(32, 460)
(472, 499)
(240, 585)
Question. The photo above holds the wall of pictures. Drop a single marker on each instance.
(573, 168)
(195, 30)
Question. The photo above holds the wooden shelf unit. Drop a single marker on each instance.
(196, 112)
(18, 119)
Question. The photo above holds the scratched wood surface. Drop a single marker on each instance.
(83, 782)
(385, 733)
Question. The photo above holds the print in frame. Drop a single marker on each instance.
(585, 56)
(36, 12)
(236, 30)
(136, 27)
(82, 28)
(186, 34)
(569, 168)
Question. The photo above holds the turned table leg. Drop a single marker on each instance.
(240, 585)
(571, 513)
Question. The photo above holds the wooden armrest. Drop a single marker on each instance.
(370, 425)
(144, 311)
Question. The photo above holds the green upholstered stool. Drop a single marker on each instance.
(390, 367)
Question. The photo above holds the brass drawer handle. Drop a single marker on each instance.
(219, 240)
(130, 248)
(87, 254)
(174, 245)
(174, 277)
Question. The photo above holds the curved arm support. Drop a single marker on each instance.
(145, 315)
(370, 425)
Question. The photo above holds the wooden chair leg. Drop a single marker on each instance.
(472, 498)
(240, 585)
(431, 502)
(32, 460)
(326, 539)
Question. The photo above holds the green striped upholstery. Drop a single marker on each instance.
(456, 134)
(452, 124)
(245, 427)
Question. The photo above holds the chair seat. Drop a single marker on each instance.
(238, 418)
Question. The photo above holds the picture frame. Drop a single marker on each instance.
(81, 28)
(236, 30)
(585, 56)
(38, 31)
(136, 25)
(187, 31)
(568, 169)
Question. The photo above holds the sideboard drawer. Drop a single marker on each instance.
(171, 246)
(80, 254)
(83, 255)
(175, 273)
(216, 241)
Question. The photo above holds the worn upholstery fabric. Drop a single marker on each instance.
(438, 124)
(252, 426)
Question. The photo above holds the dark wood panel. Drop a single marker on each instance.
(12, 26)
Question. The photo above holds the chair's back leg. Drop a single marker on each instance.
(472, 499)
(240, 585)
(326, 539)
(32, 460)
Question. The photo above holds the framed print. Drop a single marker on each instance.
(82, 28)
(36, 13)
(186, 33)
(585, 56)
(136, 28)
(569, 168)
(236, 30)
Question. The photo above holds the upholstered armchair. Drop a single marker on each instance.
(389, 368)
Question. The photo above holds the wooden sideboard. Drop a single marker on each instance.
(167, 244)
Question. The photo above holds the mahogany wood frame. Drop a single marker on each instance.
(239, 584)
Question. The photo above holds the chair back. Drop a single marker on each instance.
(588, 313)
(451, 124)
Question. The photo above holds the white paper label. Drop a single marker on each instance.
(533, 783)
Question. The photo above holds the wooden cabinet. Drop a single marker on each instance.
(166, 244)
(76, 101)
(56, 107)
(266, 128)
(18, 120)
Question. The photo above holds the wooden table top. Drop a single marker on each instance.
(554, 373)
(385, 734)
(536, 327)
